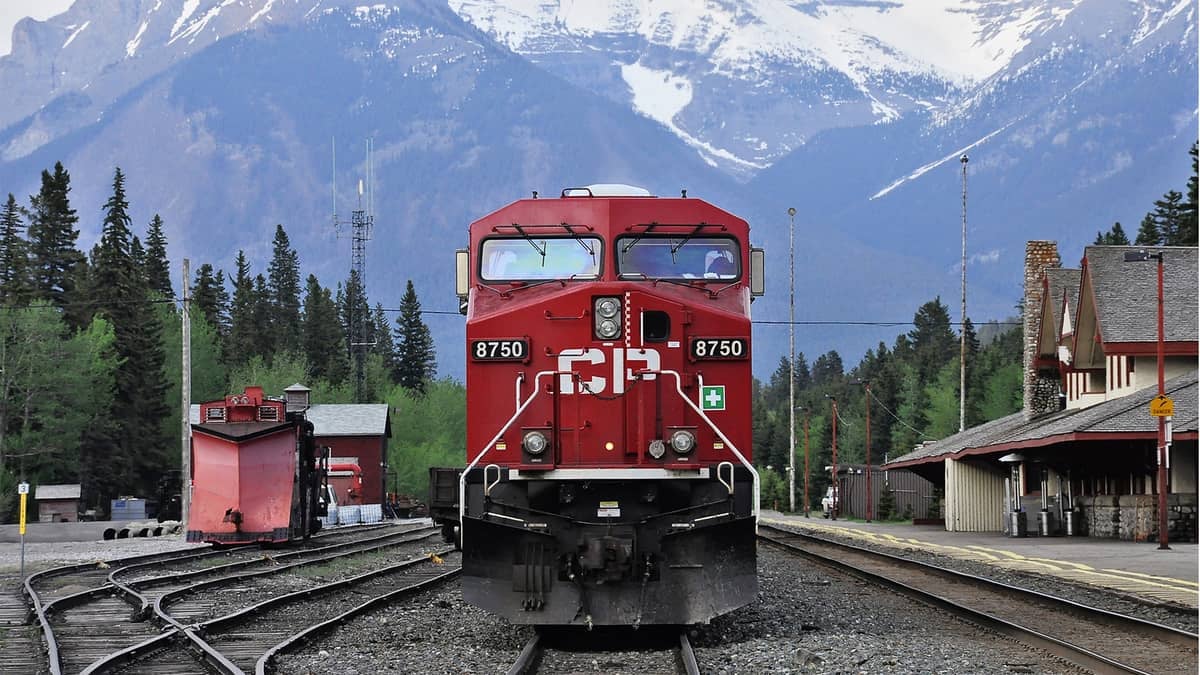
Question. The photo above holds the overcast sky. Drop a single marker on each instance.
(12, 11)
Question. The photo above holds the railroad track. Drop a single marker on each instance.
(1091, 638)
(652, 650)
(87, 612)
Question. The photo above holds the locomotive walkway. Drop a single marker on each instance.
(1133, 568)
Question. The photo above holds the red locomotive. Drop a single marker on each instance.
(257, 475)
(609, 478)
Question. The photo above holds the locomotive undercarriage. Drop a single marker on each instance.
(610, 552)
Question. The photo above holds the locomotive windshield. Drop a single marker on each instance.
(536, 258)
(678, 257)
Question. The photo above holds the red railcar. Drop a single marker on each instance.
(257, 475)
(609, 478)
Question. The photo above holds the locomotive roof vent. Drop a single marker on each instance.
(606, 190)
(297, 397)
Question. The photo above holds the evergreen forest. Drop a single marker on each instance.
(90, 367)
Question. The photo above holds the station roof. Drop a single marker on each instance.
(340, 419)
(1127, 417)
(1126, 294)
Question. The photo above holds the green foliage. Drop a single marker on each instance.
(284, 285)
(52, 237)
(14, 251)
(886, 508)
(773, 489)
(427, 430)
(157, 268)
(943, 408)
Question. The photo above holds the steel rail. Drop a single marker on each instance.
(266, 661)
(687, 655)
(41, 609)
(132, 588)
(1076, 654)
(529, 657)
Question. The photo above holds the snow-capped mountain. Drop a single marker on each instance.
(745, 82)
(1075, 113)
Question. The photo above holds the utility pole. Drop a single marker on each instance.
(792, 367)
(185, 478)
(836, 501)
(806, 500)
(870, 495)
(962, 346)
(1163, 419)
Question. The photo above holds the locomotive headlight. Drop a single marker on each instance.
(608, 307)
(535, 442)
(608, 329)
(657, 448)
(607, 316)
(683, 442)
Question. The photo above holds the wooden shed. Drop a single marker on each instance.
(58, 503)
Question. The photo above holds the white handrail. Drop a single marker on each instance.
(728, 443)
(462, 479)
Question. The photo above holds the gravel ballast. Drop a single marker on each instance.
(806, 620)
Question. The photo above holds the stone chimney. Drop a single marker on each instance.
(1040, 388)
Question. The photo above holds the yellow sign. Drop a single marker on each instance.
(1162, 406)
(24, 496)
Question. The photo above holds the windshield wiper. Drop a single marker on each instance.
(541, 251)
(687, 238)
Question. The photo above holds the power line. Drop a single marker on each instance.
(895, 416)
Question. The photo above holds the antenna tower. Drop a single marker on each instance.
(362, 221)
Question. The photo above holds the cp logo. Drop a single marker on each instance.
(569, 360)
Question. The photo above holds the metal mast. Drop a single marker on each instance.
(361, 223)
(962, 345)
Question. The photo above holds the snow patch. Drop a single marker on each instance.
(189, 8)
(657, 94)
(131, 47)
(661, 95)
(196, 26)
(938, 162)
(257, 15)
(76, 33)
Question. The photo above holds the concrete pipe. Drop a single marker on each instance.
(110, 534)
(158, 531)
(123, 534)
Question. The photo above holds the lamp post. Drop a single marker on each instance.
(1142, 256)
(962, 341)
(836, 491)
(792, 366)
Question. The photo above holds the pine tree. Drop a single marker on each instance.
(381, 335)
(1114, 237)
(1188, 234)
(284, 283)
(245, 334)
(1169, 216)
(932, 340)
(158, 269)
(206, 296)
(1148, 233)
(260, 318)
(138, 255)
(14, 265)
(52, 238)
(828, 370)
(321, 337)
(416, 361)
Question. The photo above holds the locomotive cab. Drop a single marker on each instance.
(609, 479)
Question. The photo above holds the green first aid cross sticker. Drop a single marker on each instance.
(712, 398)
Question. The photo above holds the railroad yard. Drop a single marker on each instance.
(384, 599)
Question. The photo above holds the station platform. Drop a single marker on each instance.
(1134, 568)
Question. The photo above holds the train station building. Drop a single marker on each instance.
(1081, 456)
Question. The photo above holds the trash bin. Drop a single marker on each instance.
(1046, 524)
(1016, 524)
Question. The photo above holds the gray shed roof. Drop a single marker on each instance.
(1128, 414)
(339, 419)
(71, 491)
(1127, 293)
(1062, 282)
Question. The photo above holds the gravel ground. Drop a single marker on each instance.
(1093, 596)
(806, 620)
(41, 555)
